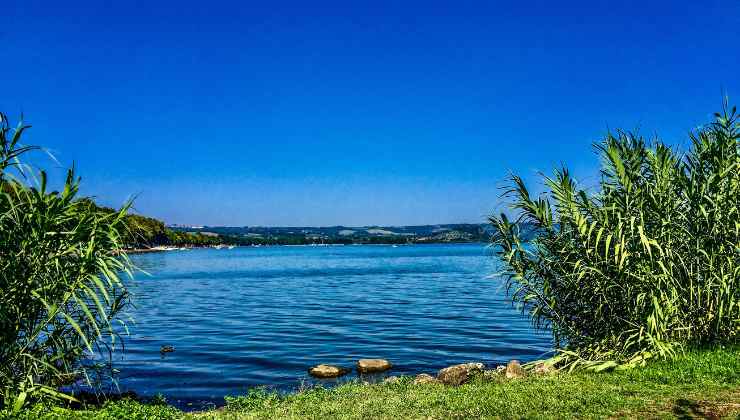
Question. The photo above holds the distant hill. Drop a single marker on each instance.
(463, 232)
(146, 232)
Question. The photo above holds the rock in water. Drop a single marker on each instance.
(514, 370)
(327, 371)
(423, 378)
(373, 365)
(459, 374)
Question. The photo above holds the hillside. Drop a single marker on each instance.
(260, 235)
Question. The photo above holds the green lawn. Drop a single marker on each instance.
(700, 384)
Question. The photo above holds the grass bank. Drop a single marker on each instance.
(698, 384)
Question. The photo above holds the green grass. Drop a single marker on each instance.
(698, 384)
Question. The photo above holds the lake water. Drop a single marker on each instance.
(245, 317)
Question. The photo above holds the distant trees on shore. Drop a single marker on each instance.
(146, 232)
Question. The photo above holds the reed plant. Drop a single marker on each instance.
(640, 266)
(60, 288)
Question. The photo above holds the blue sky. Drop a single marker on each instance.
(354, 113)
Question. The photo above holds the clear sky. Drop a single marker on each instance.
(350, 112)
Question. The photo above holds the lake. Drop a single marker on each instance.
(251, 316)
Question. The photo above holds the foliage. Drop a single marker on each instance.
(193, 239)
(138, 231)
(126, 409)
(60, 290)
(144, 230)
(256, 399)
(704, 384)
(647, 264)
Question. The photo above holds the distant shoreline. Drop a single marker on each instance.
(188, 248)
(142, 250)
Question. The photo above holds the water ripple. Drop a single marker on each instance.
(261, 316)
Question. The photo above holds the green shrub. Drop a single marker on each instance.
(647, 263)
(60, 291)
(139, 231)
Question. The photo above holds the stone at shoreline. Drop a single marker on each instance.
(423, 378)
(459, 374)
(544, 369)
(327, 371)
(514, 370)
(373, 365)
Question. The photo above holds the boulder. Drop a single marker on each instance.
(514, 370)
(423, 378)
(373, 365)
(327, 371)
(459, 374)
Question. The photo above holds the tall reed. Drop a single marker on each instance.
(60, 291)
(647, 263)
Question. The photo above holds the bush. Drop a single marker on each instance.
(647, 264)
(60, 290)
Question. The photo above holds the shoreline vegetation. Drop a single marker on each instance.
(637, 280)
(697, 384)
(643, 264)
(146, 233)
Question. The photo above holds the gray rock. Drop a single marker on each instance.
(373, 365)
(459, 374)
(514, 370)
(327, 371)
